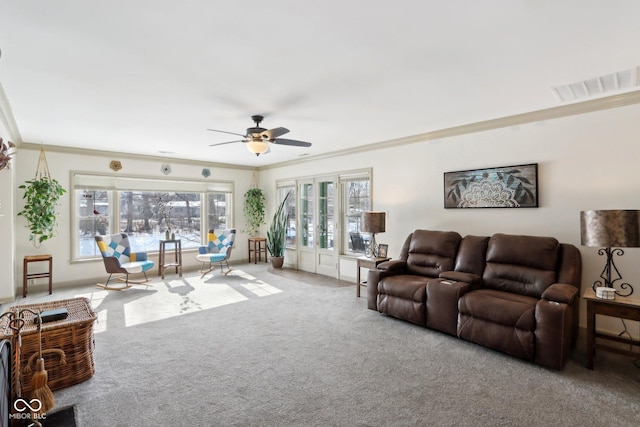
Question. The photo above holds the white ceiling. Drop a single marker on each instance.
(148, 76)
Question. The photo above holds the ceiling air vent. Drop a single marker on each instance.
(622, 80)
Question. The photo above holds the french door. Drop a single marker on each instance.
(318, 249)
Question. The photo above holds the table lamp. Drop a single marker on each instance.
(610, 230)
(373, 222)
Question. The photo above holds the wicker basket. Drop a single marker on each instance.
(67, 345)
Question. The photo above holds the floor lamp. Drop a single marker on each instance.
(373, 222)
(610, 230)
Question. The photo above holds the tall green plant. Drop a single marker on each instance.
(41, 197)
(254, 210)
(277, 233)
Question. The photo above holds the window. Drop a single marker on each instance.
(94, 217)
(146, 216)
(357, 199)
(217, 211)
(106, 205)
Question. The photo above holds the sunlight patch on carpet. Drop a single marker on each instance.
(178, 297)
(261, 288)
(173, 297)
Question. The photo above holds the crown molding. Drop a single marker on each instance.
(130, 156)
(574, 109)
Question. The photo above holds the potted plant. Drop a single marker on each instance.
(277, 234)
(254, 210)
(41, 196)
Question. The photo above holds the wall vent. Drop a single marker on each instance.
(621, 80)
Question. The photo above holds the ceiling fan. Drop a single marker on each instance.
(258, 139)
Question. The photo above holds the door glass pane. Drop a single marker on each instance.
(325, 212)
(306, 215)
(357, 200)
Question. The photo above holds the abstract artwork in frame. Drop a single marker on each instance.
(502, 187)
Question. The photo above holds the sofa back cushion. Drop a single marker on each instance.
(472, 255)
(432, 252)
(523, 265)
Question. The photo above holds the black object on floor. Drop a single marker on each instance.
(65, 417)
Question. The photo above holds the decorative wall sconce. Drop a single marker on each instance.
(610, 230)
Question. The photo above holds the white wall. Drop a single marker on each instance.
(61, 162)
(7, 179)
(585, 162)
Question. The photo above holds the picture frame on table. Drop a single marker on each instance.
(383, 249)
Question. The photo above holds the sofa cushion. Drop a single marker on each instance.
(505, 308)
(432, 252)
(499, 320)
(404, 297)
(471, 254)
(404, 286)
(523, 265)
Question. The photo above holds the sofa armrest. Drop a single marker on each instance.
(394, 266)
(459, 276)
(561, 293)
(373, 278)
(556, 325)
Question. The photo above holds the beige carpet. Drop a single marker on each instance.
(261, 348)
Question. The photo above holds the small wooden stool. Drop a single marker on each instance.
(257, 246)
(26, 275)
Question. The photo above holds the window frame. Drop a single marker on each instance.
(114, 185)
(343, 178)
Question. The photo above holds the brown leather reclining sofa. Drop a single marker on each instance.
(515, 294)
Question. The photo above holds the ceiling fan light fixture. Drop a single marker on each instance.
(257, 147)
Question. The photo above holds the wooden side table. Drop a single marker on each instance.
(177, 262)
(26, 275)
(623, 307)
(257, 246)
(369, 263)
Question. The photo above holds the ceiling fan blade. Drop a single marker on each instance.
(292, 142)
(228, 142)
(274, 133)
(230, 133)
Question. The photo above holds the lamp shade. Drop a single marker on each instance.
(257, 147)
(373, 222)
(610, 228)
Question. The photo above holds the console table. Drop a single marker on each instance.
(364, 262)
(177, 252)
(623, 307)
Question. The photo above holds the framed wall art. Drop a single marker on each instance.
(502, 187)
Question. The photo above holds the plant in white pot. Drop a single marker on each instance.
(277, 235)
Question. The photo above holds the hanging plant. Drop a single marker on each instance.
(41, 196)
(254, 210)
